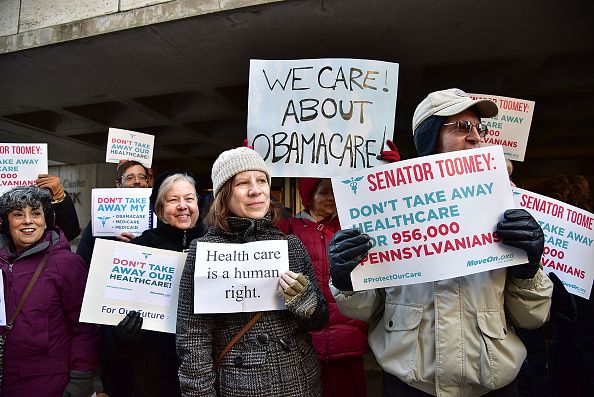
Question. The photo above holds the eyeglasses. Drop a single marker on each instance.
(466, 126)
(131, 177)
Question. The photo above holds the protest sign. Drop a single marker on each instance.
(321, 117)
(20, 163)
(430, 218)
(511, 126)
(2, 302)
(121, 210)
(125, 277)
(568, 250)
(231, 278)
(129, 145)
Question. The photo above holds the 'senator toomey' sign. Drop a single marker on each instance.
(568, 251)
(511, 126)
(321, 117)
(430, 218)
(21, 163)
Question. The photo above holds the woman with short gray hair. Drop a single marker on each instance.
(46, 348)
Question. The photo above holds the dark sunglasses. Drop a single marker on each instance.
(466, 127)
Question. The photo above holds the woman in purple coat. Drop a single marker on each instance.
(47, 351)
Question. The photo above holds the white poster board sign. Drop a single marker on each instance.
(568, 251)
(430, 218)
(125, 277)
(121, 210)
(21, 163)
(2, 301)
(321, 117)
(232, 278)
(129, 145)
(511, 126)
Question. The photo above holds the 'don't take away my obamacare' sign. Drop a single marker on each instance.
(569, 248)
(320, 117)
(21, 163)
(124, 277)
(129, 145)
(430, 218)
(511, 127)
(118, 210)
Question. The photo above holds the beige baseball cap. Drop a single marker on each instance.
(450, 102)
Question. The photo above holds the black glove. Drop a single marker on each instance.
(519, 229)
(345, 251)
(563, 306)
(80, 385)
(129, 329)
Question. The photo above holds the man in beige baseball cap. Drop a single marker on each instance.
(449, 120)
(452, 337)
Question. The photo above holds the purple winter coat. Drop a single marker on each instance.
(46, 341)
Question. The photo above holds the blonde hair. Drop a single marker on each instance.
(166, 185)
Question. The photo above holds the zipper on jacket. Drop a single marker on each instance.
(184, 240)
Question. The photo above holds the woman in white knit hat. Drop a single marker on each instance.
(274, 357)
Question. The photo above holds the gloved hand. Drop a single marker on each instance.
(563, 306)
(391, 155)
(345, 251)
(519, 229)
(52, 183)
(291, 284)
(80, 385)
(129, 329)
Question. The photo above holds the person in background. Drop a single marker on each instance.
(152, 354)
(449, 337)
(47, 351)
(274, 356)
(342, 342)
(130, 174)
(570, 350)
(66, 217)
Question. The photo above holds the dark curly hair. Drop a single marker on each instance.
(26, 196)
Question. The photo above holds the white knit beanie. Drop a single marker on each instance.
(234, 161)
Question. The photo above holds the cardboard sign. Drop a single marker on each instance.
(321, 117)
(231, 278)
(511, 126)
(568, 252)
(431, 218)
(2, 301)
(21, 163)
(121, 210)
(125, 277)
(129, 145)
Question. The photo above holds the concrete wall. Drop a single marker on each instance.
(33, 23)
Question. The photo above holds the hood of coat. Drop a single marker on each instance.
(53, 239)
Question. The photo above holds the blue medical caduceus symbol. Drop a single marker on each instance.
(353, 183)
(103, 219)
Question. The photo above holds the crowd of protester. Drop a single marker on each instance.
(463, 336)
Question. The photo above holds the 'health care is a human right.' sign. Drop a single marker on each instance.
(429, 218)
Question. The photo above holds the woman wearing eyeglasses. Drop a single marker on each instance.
(151, 355)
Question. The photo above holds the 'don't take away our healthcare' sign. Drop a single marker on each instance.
(21, 163)
(511, 127)
(568, 251)
(129, 145)
(117, 210)
(430, 218)
(232, 278)
(125, 277)
(321, 117)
